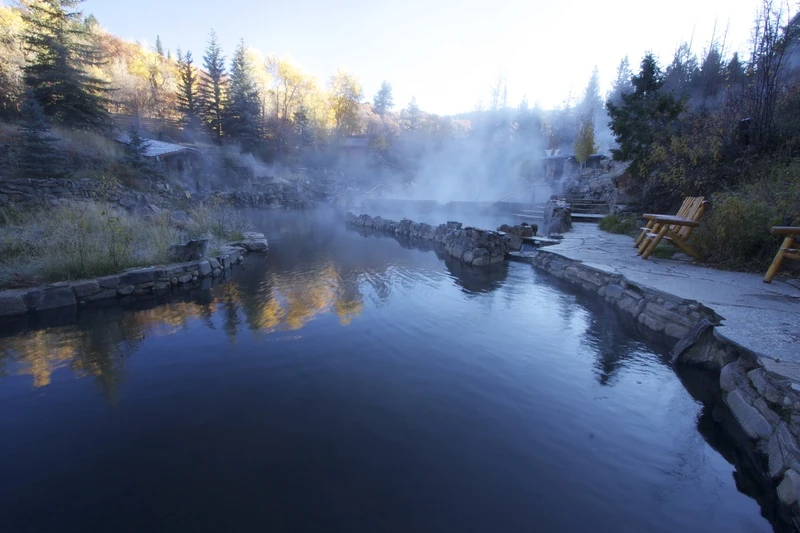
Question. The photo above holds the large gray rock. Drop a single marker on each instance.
(125, 290)
(789, 489)
(138, 276)
(729, 376)
(190, 251)
(57, 297)
(690, 337)
(108, 282)
(83, 289)
(782, 452)
(256, 242)
(12, 303)
(751, 421)
(766, 389)
(204, 268)
(105, 294)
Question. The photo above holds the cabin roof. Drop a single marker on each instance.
(158, 148)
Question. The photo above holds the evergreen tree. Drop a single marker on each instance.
(592, 102)
(244, 104)
(137, 149)
(622, 83)
(643, 114)
(682, 72)
(62, 51)
(711, 75)
(188, 101)
(212, 88)
(38, 157)
(413, 114)
(383, 101)
(159, 46)
(735, 75)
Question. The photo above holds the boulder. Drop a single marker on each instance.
(190, 251)
(12, 303)
(204, 269)
(138, 276)
(56, 297)
(83, 289)
(789, 489)
(108, 282)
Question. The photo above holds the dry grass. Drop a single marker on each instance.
(217, 221)
(82, 240)
(88, 239)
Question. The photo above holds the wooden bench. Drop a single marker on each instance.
(676, 229)
(788, 249)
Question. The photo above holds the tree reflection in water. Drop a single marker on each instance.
(312, 270)
(98, 344)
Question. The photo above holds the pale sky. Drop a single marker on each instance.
(444, 52)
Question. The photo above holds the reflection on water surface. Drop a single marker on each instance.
(348, 382)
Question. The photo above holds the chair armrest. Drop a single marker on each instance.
(675, 221)
(785, 230)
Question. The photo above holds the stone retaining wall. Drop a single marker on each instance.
(471, 246)
(657, 313)
(136, 282)
(762, 397)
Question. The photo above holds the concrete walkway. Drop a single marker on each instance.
(760, 317)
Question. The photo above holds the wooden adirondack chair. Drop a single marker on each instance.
(788, 249)
(688, 204)
(676, 229)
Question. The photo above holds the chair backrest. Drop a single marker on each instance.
(695, 206)
(687, 203)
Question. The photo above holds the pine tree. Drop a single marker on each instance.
(212, 88)
(622, 84)
(383, 101)
(38, 157)
(644, 114)
(588, 109)
(137, 150)
(62, 51)
(244, 104)
(188, 101)
(159, 46)
(592, 103)
(413, 114)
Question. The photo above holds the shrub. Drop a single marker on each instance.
(623, 225)
(735, 234)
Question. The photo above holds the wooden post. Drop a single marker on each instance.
(776, 263)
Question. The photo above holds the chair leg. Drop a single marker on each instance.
(776, 263)
(684, 246)
(654, 242)
(646, 241)
(644, 232)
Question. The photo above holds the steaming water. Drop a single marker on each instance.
(345, 383)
